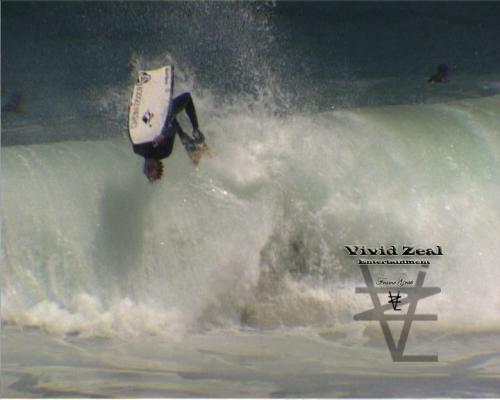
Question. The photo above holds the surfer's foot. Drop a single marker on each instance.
(188, 143)
(198, 136)
(190, 146)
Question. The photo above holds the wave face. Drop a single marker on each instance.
(255, 236)
(70, 65)
(325, 133)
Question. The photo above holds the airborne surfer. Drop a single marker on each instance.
(162, 145)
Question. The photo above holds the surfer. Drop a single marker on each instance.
(161, 147)
(13, 103)
(441, 74)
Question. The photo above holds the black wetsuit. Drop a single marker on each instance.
(171, 127)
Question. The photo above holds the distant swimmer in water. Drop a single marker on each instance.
(441, 74)
(13, 103)
(161, 147)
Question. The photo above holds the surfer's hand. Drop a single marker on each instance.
(159, 139)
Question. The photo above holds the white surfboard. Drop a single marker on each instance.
(151, 104)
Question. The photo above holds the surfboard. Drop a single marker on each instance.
(151, 103)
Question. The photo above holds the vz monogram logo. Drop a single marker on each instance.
(414, 294)
(394, 300)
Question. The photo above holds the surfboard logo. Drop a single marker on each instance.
(147, 117)
(143, 78)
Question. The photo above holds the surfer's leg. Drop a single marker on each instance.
(185, 102)
(186, 140)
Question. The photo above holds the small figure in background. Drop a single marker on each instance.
(441, 74)
(13, 103)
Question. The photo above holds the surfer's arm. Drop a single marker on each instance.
(168, 131)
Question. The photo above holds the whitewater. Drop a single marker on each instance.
(251, 244)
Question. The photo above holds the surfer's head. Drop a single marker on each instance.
(153, 169)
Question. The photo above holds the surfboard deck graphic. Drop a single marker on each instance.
(151, 103)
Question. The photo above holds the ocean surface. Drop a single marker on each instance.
(232, 279)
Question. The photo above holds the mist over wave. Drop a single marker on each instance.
(74, 77)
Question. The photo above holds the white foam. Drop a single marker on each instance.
(258, 231)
